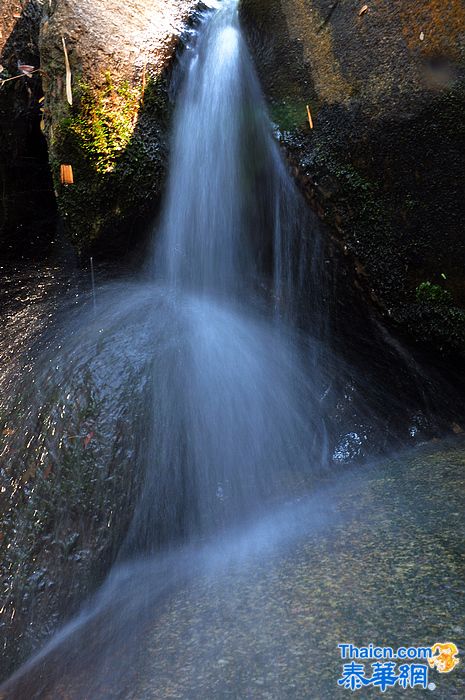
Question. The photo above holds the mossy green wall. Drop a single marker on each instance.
(115, 138)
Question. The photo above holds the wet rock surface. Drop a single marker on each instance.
(382, 165)
(75, 422)
(71, 436)
(376, 558)
(390, 571)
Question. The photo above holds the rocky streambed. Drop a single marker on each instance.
(377, 557)
(391, 571)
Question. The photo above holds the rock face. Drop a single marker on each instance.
(383, 165)
(114, 132)
(27, 206)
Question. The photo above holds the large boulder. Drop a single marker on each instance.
(383, 165)
(110, 122)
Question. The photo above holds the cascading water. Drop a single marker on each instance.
(199, 379)
(236, 417)
(229, 199)
(204, 245)
(202, 365)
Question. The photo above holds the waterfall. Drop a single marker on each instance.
(197, 379)
(228, 192)
(204, 244)
(236, 415)
(185, 416)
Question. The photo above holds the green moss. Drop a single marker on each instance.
(289, 115)
(437, 324)
(433, 293)
(114, 138)
(154, 99)
(364, 211)
(105, 121)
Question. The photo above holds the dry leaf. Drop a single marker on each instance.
(87, 439)
(25, 69)
(66, 174)
(28, 474)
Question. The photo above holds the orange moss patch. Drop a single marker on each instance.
(442, 24)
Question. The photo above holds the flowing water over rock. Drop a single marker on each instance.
(231, 205)
(236, 416)
(193, 378)
(258, 614)
(203, 403)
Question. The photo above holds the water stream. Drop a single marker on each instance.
(220, 394)
(201, 356)
(236, 413)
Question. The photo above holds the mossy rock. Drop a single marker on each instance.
(114, 134)
(115, 138)
(383, 164)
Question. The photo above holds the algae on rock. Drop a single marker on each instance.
(115, 133)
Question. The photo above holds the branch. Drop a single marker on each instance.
(22, 75)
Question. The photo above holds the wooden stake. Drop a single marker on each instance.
(310, 120)
(144, 79)
(66, 175)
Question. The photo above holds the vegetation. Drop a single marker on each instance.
(114, 137)
(105, 121)
(433, 293)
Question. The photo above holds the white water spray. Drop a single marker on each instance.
(236, 415)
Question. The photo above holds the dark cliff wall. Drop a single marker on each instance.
(385, 85)
(109, 123)
(114, 134)
(27, 206)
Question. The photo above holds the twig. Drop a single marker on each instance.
(92, 276)
(69, 92)
(310, 120)
(22, 75)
